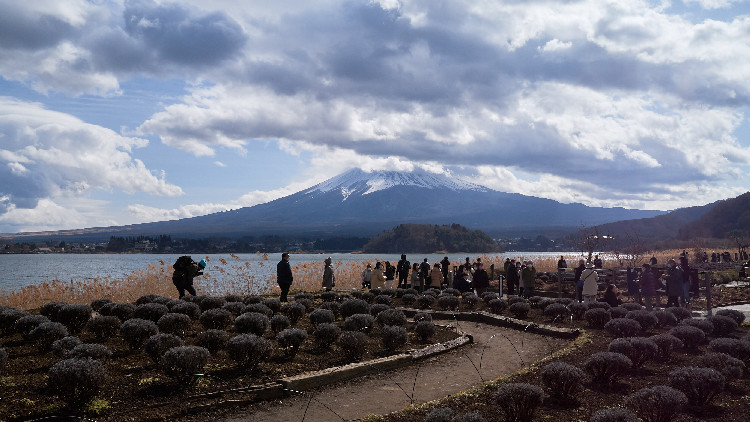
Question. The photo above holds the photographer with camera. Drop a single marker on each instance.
(185, 269)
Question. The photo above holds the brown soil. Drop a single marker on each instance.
(137, 389)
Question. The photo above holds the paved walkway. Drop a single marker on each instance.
(496, 352)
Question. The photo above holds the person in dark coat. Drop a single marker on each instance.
(481, 280)
(674, 283)
(284, 276)
(634, 290)
(512, 275)
(402, 269)
(685, 269)
(561, 263)
(329, 279)
(183, 278)
(424, 268)
(597, 262)
(579, 283)
(445, 267)
(647, 282)
(463, 284)
(612, 296)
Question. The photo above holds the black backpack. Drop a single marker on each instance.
(182, 263)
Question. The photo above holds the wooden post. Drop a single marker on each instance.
(560, 273)
(709, 280)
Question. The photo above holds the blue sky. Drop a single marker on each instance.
(120, 112)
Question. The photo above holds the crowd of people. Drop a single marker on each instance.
(645, 284)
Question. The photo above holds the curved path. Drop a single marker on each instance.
(495, 352)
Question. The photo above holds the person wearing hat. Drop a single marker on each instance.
(590, 286)
(185, 270)
(329, 279)
(463, 284)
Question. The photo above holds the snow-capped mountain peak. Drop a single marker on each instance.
(364, 183)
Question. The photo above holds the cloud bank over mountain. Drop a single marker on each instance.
(635, 103)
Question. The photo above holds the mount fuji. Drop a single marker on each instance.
(358, 203)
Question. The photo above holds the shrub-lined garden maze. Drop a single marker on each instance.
(118, 361)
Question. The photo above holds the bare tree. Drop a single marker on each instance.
(741, 239)
(634, 250)
(588, 240)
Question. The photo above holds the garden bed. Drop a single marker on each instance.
(138, 388)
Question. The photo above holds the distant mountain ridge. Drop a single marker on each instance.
(357, 203)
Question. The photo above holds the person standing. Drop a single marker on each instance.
(390, 275)
(528, 278)
(589, 277)
(579, 283)
(416, 278)
(561, 263)
(402, 268)
(284, 276)
(367, 277)
(329, 279)
(685, 269)
(647, 282)
(597, 262)
(378, 278)
(424, 269)
(436, 274)
(481, 280)
(445, 266)
(512, 275)
(674, 283)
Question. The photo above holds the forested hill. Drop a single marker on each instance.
(407, 238)
(656, 228)
(729, 215)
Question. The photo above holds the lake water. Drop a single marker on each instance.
(19, 270)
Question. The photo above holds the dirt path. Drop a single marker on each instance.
(496, 352)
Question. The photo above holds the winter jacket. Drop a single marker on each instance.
(416, 279)
(481, 279)
(284, 275)
(378, 279)
(437, 276)
(328, 277)
(648, 283)
(528, 277)
(589, 277)
(674, 282)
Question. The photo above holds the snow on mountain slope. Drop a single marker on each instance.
(359, 182)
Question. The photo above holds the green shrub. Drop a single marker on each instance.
(638, 349)
(691, 337)
(258, 308)
(519, 309)
(61, 347)
(425, 301)
(97, 304)
(280, 323)
(359, 322)
(325, 335)
(183, 361)
(211, 302)
(192, 310)
(606, 367)
(321, 316)
(393, 337)
(424, 330)
(291, 339)
(248, 350)
(578, 310)
(295, 311)
(353, 345)
(251, 323)
(174, 323)
(90, 351)
(656, 404)
(212, 340)
(646, 319)
(679, 313)
(27, 323)
(158, 344)
(497, 305)
(448, 302)
(557, 311)
(562, 379)
(151, 311)
(700, 385)
(47, 333)
(519, 401)
(136, 331)
(623, 327)
(392, 317)
(273, 304)
(215, 319)
(737, 316)
(76, 381)
(597, 317)
(730, 367)
(723, 325)
(103, 326)
(666, 344)
(737, 349)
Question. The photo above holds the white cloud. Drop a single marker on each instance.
(555, 45)
(714, 4)
(47, 155)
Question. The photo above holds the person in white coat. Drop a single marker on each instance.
(590, 286)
